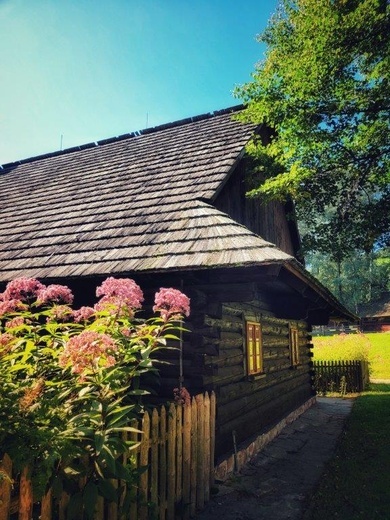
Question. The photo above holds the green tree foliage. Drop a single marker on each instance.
(324, 88)
(360, 278)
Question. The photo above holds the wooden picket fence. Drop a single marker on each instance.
(340, 376)
(177, 449)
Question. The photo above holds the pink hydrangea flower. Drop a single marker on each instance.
(15, 322)
(9, 306)
(119, 292)
(23, 289)
(88, 350)
(83, 314)
(171, 302)
(55, 294)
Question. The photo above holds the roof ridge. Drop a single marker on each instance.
(136, 133)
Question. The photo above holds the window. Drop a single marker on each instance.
(254, 348)
(294, 345)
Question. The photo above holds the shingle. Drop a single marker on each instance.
(128, 203)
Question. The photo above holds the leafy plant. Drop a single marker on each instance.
(71, 384)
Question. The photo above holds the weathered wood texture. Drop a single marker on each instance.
(265, 219)
(177, 451)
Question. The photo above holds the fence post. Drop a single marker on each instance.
(5, 487)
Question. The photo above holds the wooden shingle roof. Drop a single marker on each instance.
(140, 202)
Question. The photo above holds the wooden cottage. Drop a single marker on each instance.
(167, 207)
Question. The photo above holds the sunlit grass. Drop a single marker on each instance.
(373, 347)
(356, 482)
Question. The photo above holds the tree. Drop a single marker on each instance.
(324, 89)
(359, 279)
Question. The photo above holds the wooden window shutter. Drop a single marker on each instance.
(294, 345)
(254, 347)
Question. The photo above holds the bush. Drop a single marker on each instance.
(71, 383)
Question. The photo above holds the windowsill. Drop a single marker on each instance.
(255, 377)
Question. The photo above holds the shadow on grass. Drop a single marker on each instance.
(356, 482)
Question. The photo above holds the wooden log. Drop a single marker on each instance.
(228, 325)
(171, 463)
(26, 499)
(5, 487)
(275, 341)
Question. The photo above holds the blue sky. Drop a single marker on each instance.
(76, 71)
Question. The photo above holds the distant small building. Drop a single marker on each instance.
(375, 316)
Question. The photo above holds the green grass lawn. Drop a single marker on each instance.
(375, 347)
(356, 483)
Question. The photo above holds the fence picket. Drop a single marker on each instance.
(186, 461)
(329, 376)
(194, 455)
(163, 463)
(177, 453)
(5, 487)
(143, 462)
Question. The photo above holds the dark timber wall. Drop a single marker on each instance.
(215, 359)
(267, 220)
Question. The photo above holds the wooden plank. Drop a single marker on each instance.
(213, 410)
(132, 436)
(99, 511)
(5, 487)
(63, 504)
(207, 442)
(144, 462)
(46, 506)
(154, 459)
(163, 464)
(194, 455)
(200, 450)
(179, 454)
(171, 463)
(186, 461)
(26, 500)
(112, 507)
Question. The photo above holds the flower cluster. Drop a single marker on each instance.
(119, 293)
(23, 289)
(171, 303)
(9, 306)
(182, 396)
(83, 314)
(88, 350)
(55, 294)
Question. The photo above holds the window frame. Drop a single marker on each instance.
(294, 345)
(254, 348)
